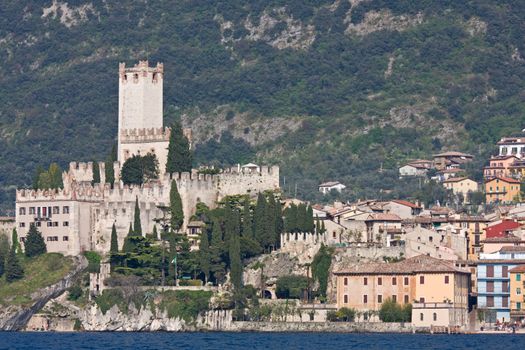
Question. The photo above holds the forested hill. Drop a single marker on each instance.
(330, 90)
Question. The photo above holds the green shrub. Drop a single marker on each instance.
(110, 297)
(93, 262)
(75, 292)
(291, 287)
(186, 305)
(192, 283)
(393, 312)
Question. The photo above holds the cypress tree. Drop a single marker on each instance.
(109, 171)
(204, 256)
(128, 244)
(291, 219)
(278, 222)
(34, 244)
(217, 262)
(14, 241)
(13, 269)
(258, 219)
(310, 219)
(234, 252)
(39, 170)
(137, 225)
(114, 240)
(269, 223)
(96, 173)
(155, 234)
(323, 228)
(302, 219)
(247, 221)
(179, 155)
(177, 214)
(317, 224)
(2, 262)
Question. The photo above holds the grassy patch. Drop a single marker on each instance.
(39, 272)
(185, 304)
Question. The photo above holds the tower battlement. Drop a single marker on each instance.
(144, 135)
(139, 71)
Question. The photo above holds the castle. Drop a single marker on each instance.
(80, 216)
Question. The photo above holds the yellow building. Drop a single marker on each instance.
(421, 279)
(461, 185)
(517, 303)
(475, 228)
(502, 189)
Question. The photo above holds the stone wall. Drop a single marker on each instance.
(335, 327)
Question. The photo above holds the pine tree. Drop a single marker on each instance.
(234, 251)
(176, 211)
(14, 241)
(34, 244)
(179, 155)
(137, 225)
(13, 269)
(247, 221)
(258, 219)
(114, 240)
(205, 256)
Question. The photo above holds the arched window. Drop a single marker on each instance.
(421, 316)
(434, 316)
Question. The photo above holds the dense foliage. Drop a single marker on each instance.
(34, 244)
(453, 83)
(139, 169)
(179, 155)
(321, 268)
(391, 311)
(291, 287)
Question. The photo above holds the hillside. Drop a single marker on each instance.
(334, 89)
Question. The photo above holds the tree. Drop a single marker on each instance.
(204, 256)
(36, 178)
(269, 237)
(291, 287)
(279, 224)
(137, 225)
(391, 311)
(96, 173)
(13, 269)
(179, 155)
(114, 240)
(14, 241)
(217, 267)
(109, 171)
(4, 251)
(247, 221)
(129, 243)
(258, 219)
(50, 179)
(321, 268)
(234, 252)
(34, 243)
(138, 170)
(176, 211)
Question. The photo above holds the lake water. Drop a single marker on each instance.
(138, 341)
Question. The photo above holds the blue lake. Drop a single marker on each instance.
(137, 341)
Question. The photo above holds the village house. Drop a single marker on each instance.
(403, 209)
(499, 166)
(417, 167)
(422, 279)
(517, 291)
(474, 227)
(517, 169)
(383, 228)
(461, 185)
(327, 187)
(451, 160)
(493, 280)
(444, 243)
(502, 190)
(512, 146)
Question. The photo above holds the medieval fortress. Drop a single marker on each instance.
(80, 216)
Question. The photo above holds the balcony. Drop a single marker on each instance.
(42, 219)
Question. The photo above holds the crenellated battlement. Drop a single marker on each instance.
(145, 135)
(139, 71)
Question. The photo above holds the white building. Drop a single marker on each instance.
(332, 185)
(512, 146)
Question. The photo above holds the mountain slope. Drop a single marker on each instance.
(327, 89)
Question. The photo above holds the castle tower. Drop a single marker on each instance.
(140, 100)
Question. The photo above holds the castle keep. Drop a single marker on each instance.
(79, 217)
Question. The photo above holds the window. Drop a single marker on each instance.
(504, 271)
(394, 298)
(31, 210)
(55, 224)
(421, 317)
(365, 281)
(38, 224)
(380, 281)
(22, 224)
(505, 286)
(65, 209)
(406, 281)
(379, 298)
(394, 281)
(490, 286)
(505, 301)
(56, 210)
(365, 299)
(490, 271)
(422, 300)
(345, 281)
(65, 238)
(490, 301)
(518, 277)
(49, 224)
(52, 239)
(434, 316)
(22, 211)
(421, 279)
(446, 279)
(406, 299)
(518, 305)
(345, 298)
(518, 291)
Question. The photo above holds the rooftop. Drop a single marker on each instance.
(417, 264)
(383, 217)
(330, 184)
(501, 229)
(453, 154)
(504, 179)
(520, 268)
(456, 179)
(406, 203)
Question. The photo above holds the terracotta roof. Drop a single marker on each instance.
(513, 249)
(452, 154)
(383, 217)
(406, 203)
(510, 238)
(501, 229)
(417, 165)
(505, 179)
(520, 268)
(420, 263)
